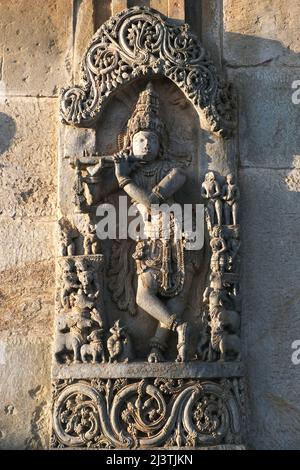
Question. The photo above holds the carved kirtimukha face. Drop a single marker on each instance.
(145, 145)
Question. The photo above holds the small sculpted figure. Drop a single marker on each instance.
(216, 294)
(91, 243)
(67, 236)
(211, 191)
(230, 196)
(224, 339)
(219, 248)
(95, 347)
(119, 344)
(71, 335)
(70, 282)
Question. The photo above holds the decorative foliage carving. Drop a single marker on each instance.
(138, 42)
(144, 414)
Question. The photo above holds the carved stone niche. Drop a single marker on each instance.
(147, 347)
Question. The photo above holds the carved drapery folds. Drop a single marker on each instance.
(139, 42)
(124, 413)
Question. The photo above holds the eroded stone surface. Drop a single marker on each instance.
(269, 122)
(36, 39)
(271, 307)
(25, 392)
(261, 30)
(25, 240)
(28, 157)
(26, 295)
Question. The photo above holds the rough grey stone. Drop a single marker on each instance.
(260, 31)
(271, 322)
(268, 120)
(25, 392)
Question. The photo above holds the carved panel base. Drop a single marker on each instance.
(148, 413)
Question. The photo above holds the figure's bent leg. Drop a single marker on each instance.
(146, 298)
(177, 305)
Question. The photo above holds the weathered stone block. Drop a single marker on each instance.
(25, 240)
(36, 40)
(160, 5)
(271, 321)
(84, 31)
(176, 9)
(28, 157)
(27, 302)
(118, 5)
(262, 30)
(269, 122)
(211, 21)
(25, 392)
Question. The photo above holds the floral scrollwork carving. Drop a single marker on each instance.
(138, 42)
(144, 414)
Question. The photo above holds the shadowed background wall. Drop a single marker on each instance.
(257, 44)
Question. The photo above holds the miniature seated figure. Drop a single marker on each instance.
(144, 172)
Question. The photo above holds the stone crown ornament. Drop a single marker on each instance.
(141, 42)
(145, 116)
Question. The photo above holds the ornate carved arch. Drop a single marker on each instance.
(138, 42)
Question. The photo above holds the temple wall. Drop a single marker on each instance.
(257, 45)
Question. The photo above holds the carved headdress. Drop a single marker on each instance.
(145, 116)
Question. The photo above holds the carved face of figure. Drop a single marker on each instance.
(210, 177)
(230, 179)
(85, 279)
(145, 145)
(217, 231)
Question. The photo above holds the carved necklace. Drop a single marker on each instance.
(152, 169)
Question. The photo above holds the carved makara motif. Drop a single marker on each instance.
(137, 42)
(148, 413)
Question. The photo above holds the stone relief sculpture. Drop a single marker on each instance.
(143, 170)
(137, 41)
(105, 395)
(222, 298)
